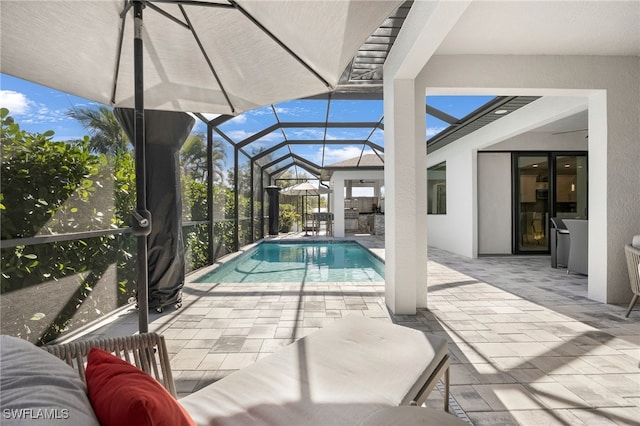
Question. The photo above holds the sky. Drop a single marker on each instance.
(38, 109)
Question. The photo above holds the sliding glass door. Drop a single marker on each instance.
(547, 184)
(532, 203)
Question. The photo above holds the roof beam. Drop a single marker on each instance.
(218, 120)
(333, 125)
(471, 117)
(293, 163)
(256, 136)
(282, 169)
(306, 124)
(317, 142)
(441, 115)
(300, 160)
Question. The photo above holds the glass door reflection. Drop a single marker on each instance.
(571, 187)
(532, 209)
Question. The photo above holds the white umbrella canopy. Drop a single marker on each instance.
(304, 188)
(209, 56)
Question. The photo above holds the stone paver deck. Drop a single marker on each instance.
(527, 345)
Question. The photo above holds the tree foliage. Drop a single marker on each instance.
(107, 136)
(51, 188)
(193, 158)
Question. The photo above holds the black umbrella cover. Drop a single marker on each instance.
(165, 132)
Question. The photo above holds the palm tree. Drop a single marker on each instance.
(107, 136)
(193, 156)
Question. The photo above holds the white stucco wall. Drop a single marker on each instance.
(338, 179)
(456, 230)
(494, 203)
(543, 141)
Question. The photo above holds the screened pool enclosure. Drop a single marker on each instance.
(68, 248)
(68, 253)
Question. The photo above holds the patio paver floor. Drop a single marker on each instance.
(528, 347)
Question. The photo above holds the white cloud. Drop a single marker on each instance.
(263, 142)
(296, 111)
(434, 131)
(265, 110)
(238, 119)
(335, 155)
(29, 111)
(238, 135)
(306, 134)
(17, 103)
(45, 115)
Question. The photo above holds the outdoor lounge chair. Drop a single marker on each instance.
(338, 375)
(146, 351)
(633, 265)
(348, 372)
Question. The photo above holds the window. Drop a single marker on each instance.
(437, 189)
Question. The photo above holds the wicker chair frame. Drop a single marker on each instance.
(633, 265)
(147, 351)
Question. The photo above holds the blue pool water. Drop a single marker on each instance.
(300, 262)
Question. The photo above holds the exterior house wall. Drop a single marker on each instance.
(543, 141)
(494, 203)
(457, 231)
(337, 204)
(494, 184)
(454, 231)
(611, 88)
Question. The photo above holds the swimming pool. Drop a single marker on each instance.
(300, 262)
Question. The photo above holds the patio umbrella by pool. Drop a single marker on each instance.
(305, 189)
(209, 56)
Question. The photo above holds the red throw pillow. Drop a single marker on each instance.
(121, 394)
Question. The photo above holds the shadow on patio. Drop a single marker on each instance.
(527, 346)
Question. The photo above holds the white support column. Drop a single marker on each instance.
(405, 197)
(338, 205)
(405, 171)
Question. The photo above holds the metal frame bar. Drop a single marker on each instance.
(236, 200)
(295, 157)
(309, 124)
(141, 178)
(316, 142)
(293, 163)
(441, 115)
(194, 3)
(251, 203)
(45, 239)
(211, 249)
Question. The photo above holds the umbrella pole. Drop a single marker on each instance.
(304, 213)
(142, 217)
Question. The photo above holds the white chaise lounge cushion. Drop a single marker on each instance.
(338, 375)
